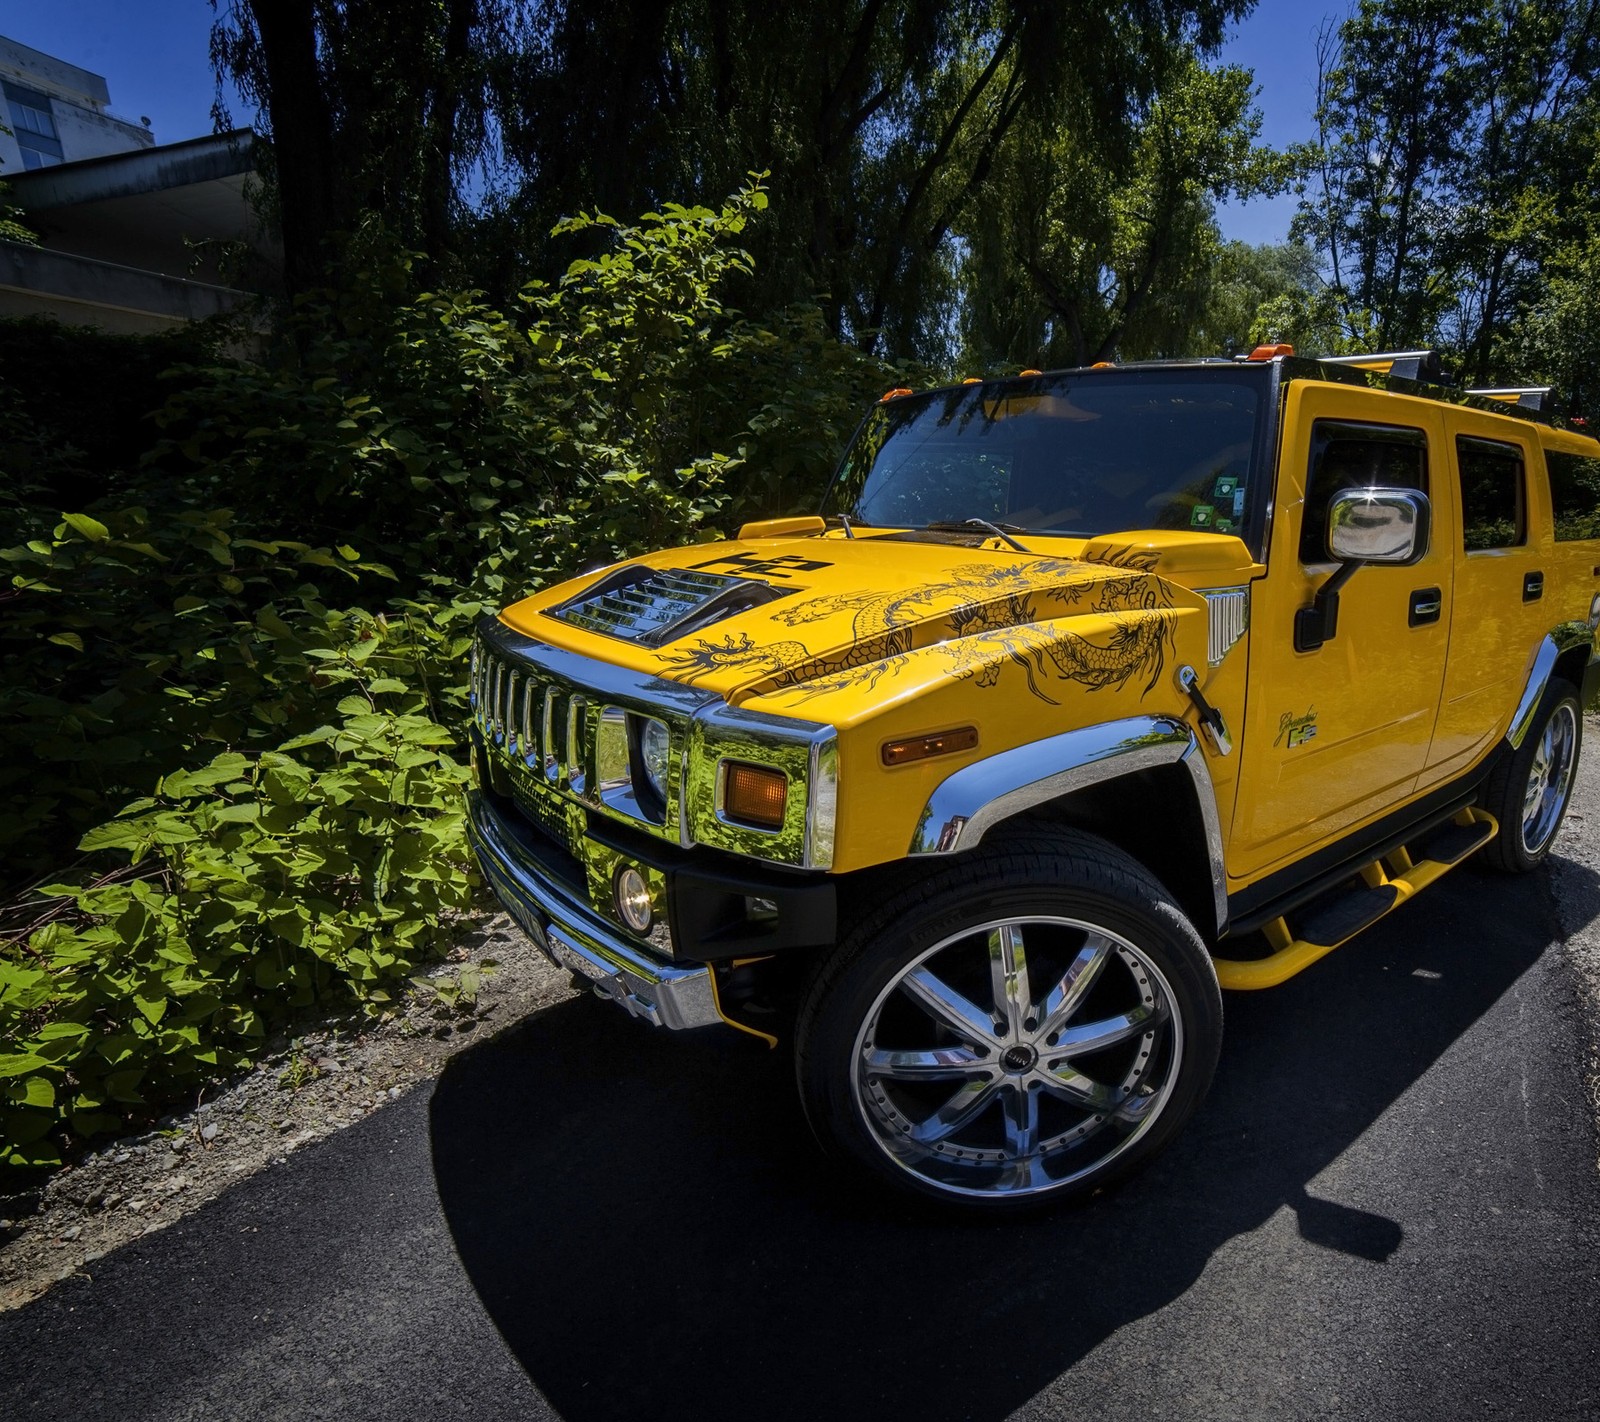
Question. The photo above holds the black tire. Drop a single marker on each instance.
(912, 1068)
(1529, 790)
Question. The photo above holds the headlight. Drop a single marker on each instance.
(655, 755)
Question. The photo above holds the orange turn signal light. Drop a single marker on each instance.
(754, 794)
(921, 747)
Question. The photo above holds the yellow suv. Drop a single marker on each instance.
(1087, 694)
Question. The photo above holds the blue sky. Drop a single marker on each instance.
(1279, 42)
(153, 55)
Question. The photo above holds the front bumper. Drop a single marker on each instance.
(572, 936)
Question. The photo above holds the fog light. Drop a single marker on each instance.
(633, 899)
(754, 795)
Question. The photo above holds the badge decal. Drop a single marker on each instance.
(780, 567)
(1296, 730)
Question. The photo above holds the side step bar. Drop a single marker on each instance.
(1386, 883)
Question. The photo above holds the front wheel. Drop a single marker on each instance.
(1031, 1029)
(1529, 790)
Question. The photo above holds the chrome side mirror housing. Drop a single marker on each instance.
(1386, 526)
(1389, 527)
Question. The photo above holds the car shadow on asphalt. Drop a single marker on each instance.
(651, 1229)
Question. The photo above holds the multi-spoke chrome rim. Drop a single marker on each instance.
(1549, 779)
(1017, 1056)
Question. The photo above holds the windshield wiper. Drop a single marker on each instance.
(1002, 531)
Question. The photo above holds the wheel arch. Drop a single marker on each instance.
(1566, 651)
(1139, 783)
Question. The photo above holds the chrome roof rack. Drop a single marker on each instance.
(1408, 365)
(1528, 397)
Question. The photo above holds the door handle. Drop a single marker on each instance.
(1425, 606)
(1532, 587)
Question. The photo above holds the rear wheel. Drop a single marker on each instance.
(1529, 790)
(1033, 1028)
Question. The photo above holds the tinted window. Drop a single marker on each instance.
(1492, 502)
(1078, 454)
(1351, 456)
(1574, 494)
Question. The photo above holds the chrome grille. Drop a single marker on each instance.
(539, 722)
(655, 606)
(1230, 617)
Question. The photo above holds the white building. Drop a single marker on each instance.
(133, 235)
(57, 113)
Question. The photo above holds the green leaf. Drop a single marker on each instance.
(68, 639)
(32, 1091)
(90, 528)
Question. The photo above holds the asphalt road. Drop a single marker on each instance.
(1388, 1208)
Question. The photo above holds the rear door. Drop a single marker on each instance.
(1504, 591)
(1336, 736)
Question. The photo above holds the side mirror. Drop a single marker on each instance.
(1387, 526)
(1384, 526)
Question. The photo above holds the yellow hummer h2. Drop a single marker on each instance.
(1088, 693)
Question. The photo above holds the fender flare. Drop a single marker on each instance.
(1562, 639)
(967, 804)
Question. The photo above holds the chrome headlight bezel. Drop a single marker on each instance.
(806, 752)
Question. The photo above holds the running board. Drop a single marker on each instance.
(1386, 883)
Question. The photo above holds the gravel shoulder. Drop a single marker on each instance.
(333, 1073)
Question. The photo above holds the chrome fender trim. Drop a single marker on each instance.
(1544, 662)
(969, 803)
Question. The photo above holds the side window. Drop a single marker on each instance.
(1493, 504)
(1574, 494)
(1356, 456)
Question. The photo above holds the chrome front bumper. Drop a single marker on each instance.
(572, 936)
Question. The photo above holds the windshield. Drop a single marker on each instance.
(1080, 454)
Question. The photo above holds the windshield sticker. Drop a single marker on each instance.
(1226, 487)
(1203, 516)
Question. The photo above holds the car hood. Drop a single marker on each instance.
(794, 619)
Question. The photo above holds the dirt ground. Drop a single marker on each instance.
(330, 1075)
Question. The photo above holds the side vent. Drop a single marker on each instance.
(1230, 615)
(653, 607)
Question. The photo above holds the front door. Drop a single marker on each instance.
(1336, 736)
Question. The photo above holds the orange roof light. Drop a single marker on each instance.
(1104, 365)
(1283, 348)
(1030, 372)
(896, 393)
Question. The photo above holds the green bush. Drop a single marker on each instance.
(236, 690)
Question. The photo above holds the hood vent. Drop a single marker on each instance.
(655, 606)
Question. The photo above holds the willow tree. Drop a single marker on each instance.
(1090, 253)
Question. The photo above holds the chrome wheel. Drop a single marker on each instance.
(1017, 1056)
(1549, 779)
